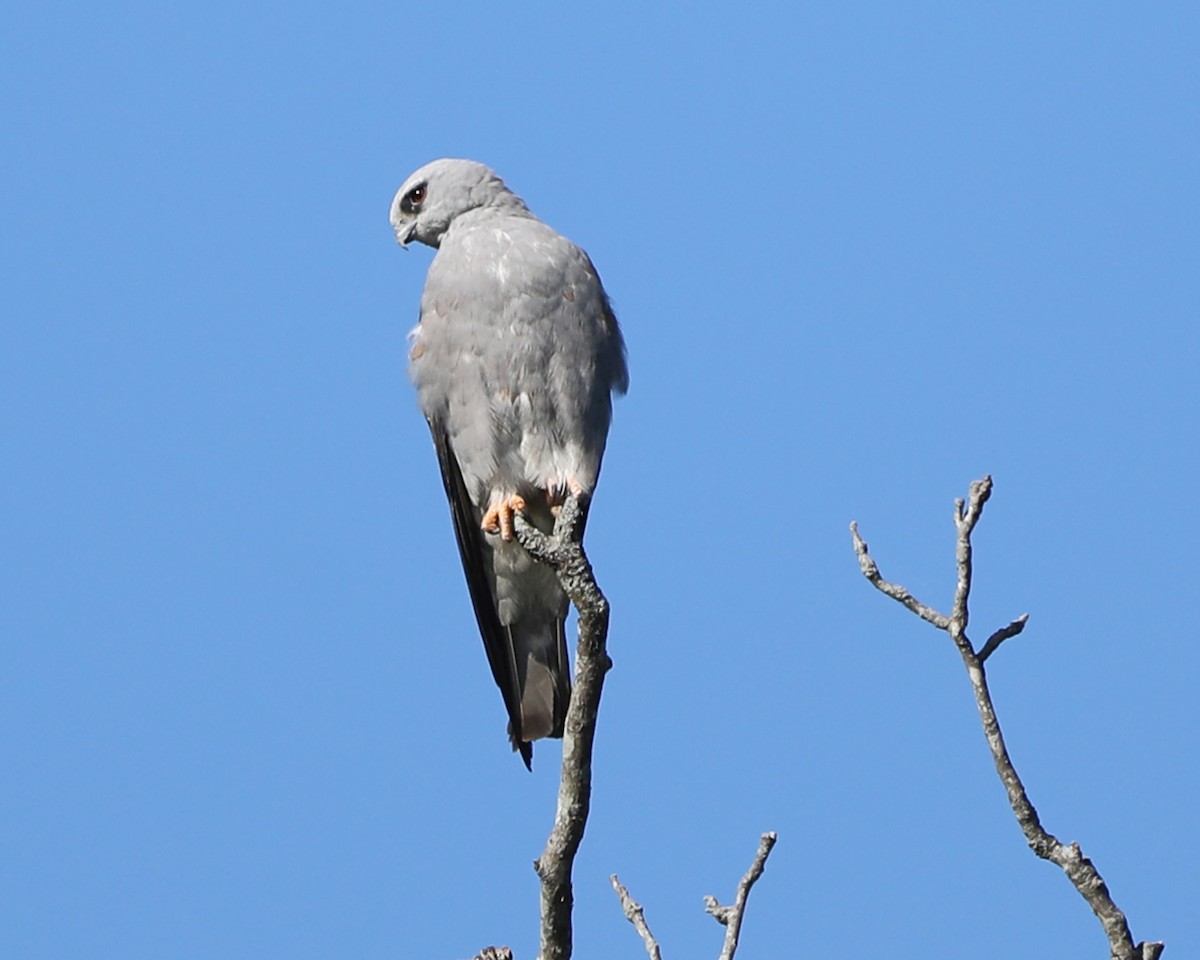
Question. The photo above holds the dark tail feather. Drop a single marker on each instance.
(543, 677)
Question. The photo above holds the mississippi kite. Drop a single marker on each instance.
(515, 359)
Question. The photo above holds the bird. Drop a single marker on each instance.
(515, 358)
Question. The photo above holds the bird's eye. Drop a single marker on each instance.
(411, 200)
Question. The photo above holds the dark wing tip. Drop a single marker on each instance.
(496, 641)
(524, 747)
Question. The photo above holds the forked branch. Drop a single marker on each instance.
(1078, 868)
(731, 917)
(728, 917)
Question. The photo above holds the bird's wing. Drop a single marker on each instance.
(514, 361)
(476, 561)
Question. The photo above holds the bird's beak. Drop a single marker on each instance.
(405, 235)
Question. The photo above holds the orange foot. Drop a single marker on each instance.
(556, 494)
(499, 517)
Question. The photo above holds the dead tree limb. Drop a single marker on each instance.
(1078, 868)
(637, 916)
(729, 917)
(563, 552)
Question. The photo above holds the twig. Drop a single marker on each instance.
(635, 915)
(866, 563)
(1004, 633)
(1069, 857)
(731, 917)
(563, 552)
(965, 520)
(494, 953)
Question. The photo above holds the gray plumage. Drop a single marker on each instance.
(515, 359)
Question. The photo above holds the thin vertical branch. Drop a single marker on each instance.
(731, 917)
(1078, 868)
(563, 552)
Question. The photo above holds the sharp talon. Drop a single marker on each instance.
(499, 517)
(515, 504)
(556, 494)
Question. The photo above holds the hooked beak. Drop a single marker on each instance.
(406, 235)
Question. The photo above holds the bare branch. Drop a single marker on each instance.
(1078, 868)
(965, 521)
(494, 953)
(1004, 633)
(635, 915)
(898, 593)
(563, 552)
(731, 917)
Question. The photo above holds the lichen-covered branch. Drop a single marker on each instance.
(731, 917)
(563, 551)
(637, 916)
(1078, 868)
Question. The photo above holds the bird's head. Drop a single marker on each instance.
(433, 196)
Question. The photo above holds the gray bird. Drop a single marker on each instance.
(515, 359)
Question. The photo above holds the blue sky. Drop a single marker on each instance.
(863, 254)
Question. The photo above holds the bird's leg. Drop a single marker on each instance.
(499, 517)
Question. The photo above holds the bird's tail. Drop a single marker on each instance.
(543, 673)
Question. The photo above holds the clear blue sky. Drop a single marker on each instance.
(863, 253)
